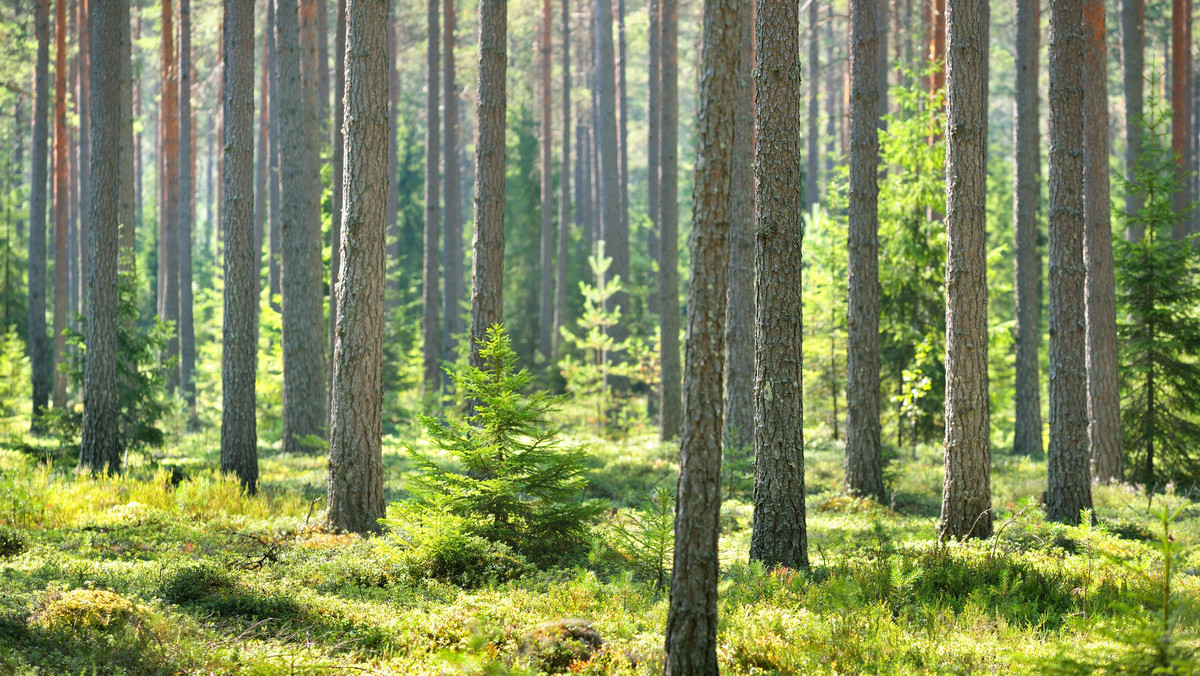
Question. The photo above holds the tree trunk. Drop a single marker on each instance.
(187, 193)
(1132, 66)
(1070, 486)
(780, 537)
(615, 236)
(881, 56)
(129, 205)
(937, 45)
(262, 176)
(355, 449)
(168, 227)
(691, 641)
(393, 234)
(85, 146)
(322, 89)
(545, 145)
(739, 312)
(654, 151)
(864, 455)
(668, 226)
(1103, 403)
(100, 446)
(813, 136)
(239, 337)
(1027, 275)
(452, 286)
(61, 201)
(622, 120)
(966, 493)
(274, 236)
(564, 201)
(338, 165)
(304, 403)
(831, 96)
(41, 359)
(1181, 108)
(487, 247)
(430, 325)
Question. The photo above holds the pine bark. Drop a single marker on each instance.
(168, 226)
(1103, 403)
(668, 209)
(1132, 73)
(355, 449)
(739, 335)
(1181, 108)
(812, 190)
(129, 200)
(545, 145)
(338, 164)
(99, 448)
(262, 154)
(452, 271)
(187, 193)
(487, 247)
(654, 149)
(431, 327)
(84, 171)
(1069, 476)
(622, 104)
(239, 360)
(780, 537)
(864, 451)
(564, 200)
(61, 202)
(274, 235)
(1027, 274)
(691, 641)
(615, 235)
(966, 492)
(304, 403)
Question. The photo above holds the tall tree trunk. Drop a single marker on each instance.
(239, 354)
(355, 449)
(430, 324)
(168, 243)
(187, 194)
(622, 104)
(881, 55)
(616, 238)
(813, 135)
(322, 83)
(1132, 65)
(937, 45)
(966, 492)
(1181, 107)
(864, 454)
(61, 201)
(100, 445)
(393, 233)
(338, 168)
(274, 215)
(1070, 486)
(668, 226)
(564, 200)
(780, 537)
(1027, 433)
(262, 167)
(85, 145)
(654, 149)
(739, 312)
(831, 96)
(691, 640)
(545, 145)
(304, 403)
(452, 286)
(129, 204)
(1104, 407)
(487, 247)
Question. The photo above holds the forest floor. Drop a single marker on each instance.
(155, 573)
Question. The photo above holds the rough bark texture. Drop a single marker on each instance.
(84, 182)
(564, 200)
(99, 448)
(187, 194)
(832, 92)
(61, 202)
(881, 59)
(966, 492)
(622, 104)
(356, 446)
(239, 336)
(780, 537)
(1132, 64)
(338, 164)
(1027, 275)
(654, 148)
(1181, 107)
(452, 271)
(864, 452)
(813, 136)
(668, 226)
(487, 247)
(262, 169)
(615, 235)
(545, 146)
(431, 327)
(168, 226)
(129, 200)
(739, 331)
(691, 641)
(1100, 308)
(393, 232)
(274, 214)
(304, 404)
(1070, 486)
(937, 44)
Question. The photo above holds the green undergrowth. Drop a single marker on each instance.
(171, 569)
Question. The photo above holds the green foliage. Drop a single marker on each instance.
(15, 384)
(515, 483)
(1159, 323)
(12, 542)
(438, 545)
(646, 538)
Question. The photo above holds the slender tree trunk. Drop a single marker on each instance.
(1069, 488)
(61, 202)
(616, 238)
(622, 118)
(168, 243)
(338, 168)
(187, 194)
(487, 247)
(691, 642)
(85, 145)
(1103, 402)
(831, 95)
(881, 55)
(1132, 73)
(262, 174)
(564, 200)
(239, 354)
(1181, 107)
(393, 233)
(322, 83)
(739, 312)
(812, 190)
(937, 44)
(545, 145)
(129, 205)
(430, 324)
(452, 286)
(966, 492)
(100, 446)
(654, 149)
(304, 403)
(668, 195)
(780, 537)
(355, 449)
(274, 215)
